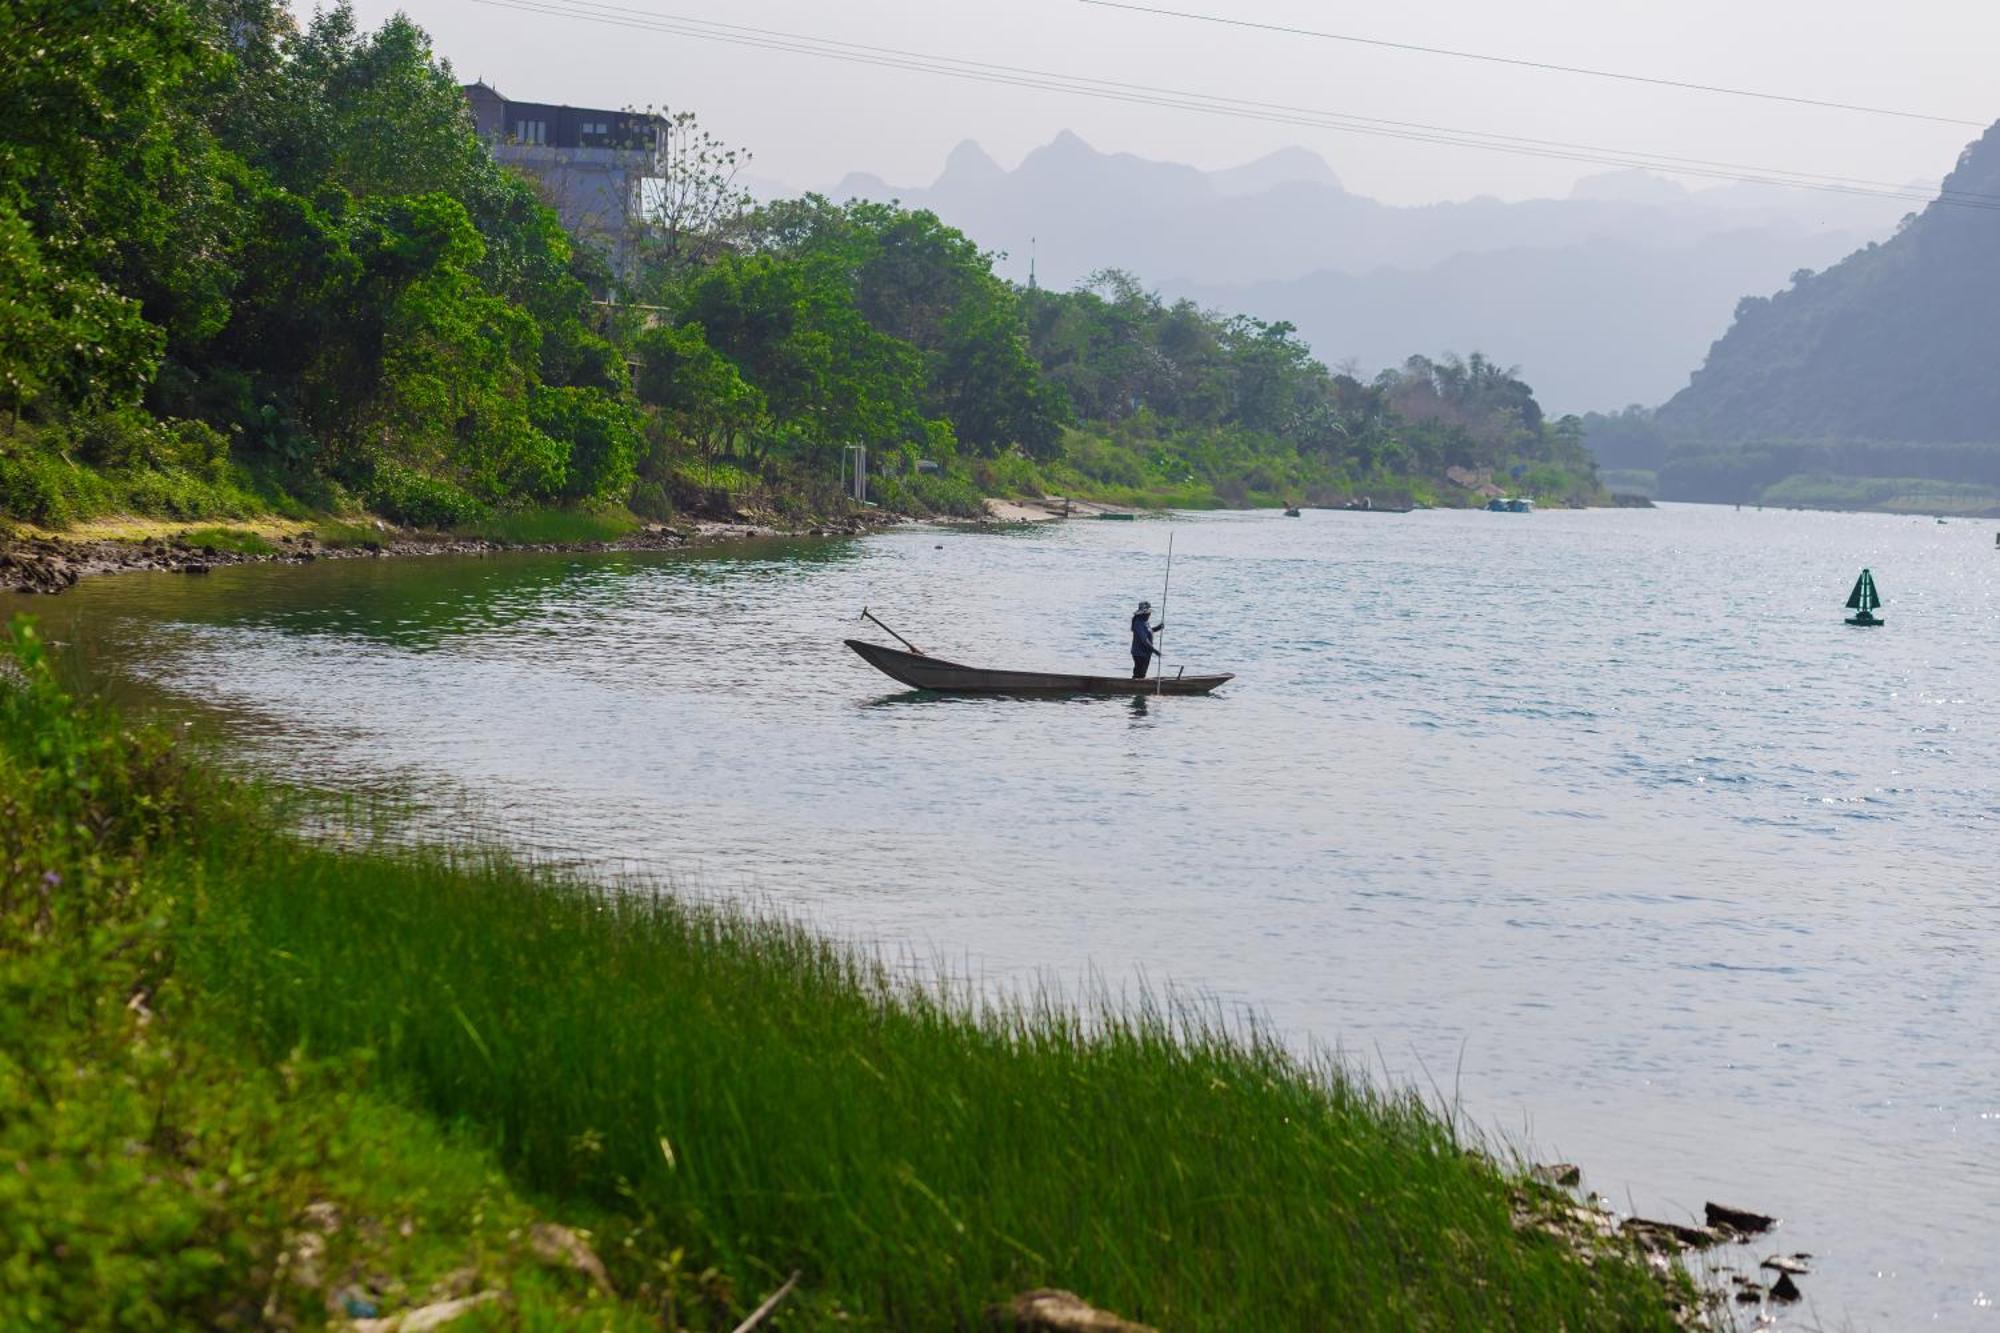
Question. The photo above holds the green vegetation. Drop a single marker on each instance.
(567, 527)
(1903, 495)
(234, 540)
(1171, 397)
(161, 1172)
(280, 262)
(212, 1028)
(337, 532)
(249, 266)
(1912, 476)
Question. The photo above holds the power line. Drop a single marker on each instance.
(1683, 84)
(600, 11)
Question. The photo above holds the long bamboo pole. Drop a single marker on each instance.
(1160, 675)
(867, 615)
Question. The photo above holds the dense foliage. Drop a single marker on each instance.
(1239, 407)
(291, 238)
(247, 264)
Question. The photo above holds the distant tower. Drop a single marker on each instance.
(1031, 263)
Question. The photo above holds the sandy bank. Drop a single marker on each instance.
(42, 562)
(1048, 507)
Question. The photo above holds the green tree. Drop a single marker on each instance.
(701, 394)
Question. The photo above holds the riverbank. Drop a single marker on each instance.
(37, 561)
(236, 1054)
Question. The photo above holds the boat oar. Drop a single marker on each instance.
(865, 615)
(1160, 676)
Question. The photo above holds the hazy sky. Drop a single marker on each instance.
(810, 120)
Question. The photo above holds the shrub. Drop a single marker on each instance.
(649, 499)
(929, 493)
(601, 433)
(48, 491)
(404, 496)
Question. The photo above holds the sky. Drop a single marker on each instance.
(809, 120)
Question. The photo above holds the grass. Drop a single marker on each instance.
(726, 1096)
(239, 541)
(340, 532)
(160, 1172)
(534, 527)
(1907, 495)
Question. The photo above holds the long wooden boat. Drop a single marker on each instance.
(933, 673)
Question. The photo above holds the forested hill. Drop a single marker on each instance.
(1897, 342)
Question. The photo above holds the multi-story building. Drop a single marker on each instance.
(591, 164)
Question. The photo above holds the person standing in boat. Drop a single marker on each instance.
(1143, 648)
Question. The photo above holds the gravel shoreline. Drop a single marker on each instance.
(52, 565)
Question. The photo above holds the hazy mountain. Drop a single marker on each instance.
(1898, 341)
(1603, 298)
(1596, 322)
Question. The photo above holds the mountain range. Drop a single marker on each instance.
(1897, 342)
(1606, 297)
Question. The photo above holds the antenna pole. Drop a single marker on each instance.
(1159, 678)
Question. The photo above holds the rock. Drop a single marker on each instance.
(355, 1303)
(1740, 1220)
(1558, 1173)
(425, 1317)
(1751, 1295)
(192, 567)
(1784, 1289)
(1788, 1263)
(562, 1248)
(305, 1261)
(1670, 1235)
(321, 1216)
(1050, 1311)
(27, 571)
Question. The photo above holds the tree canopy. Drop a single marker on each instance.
(215, 219)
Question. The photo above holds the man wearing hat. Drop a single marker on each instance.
(1143, 650)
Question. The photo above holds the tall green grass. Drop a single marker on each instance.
(158, 1171)
(535, 527)
(749, 1098)
(236, 540)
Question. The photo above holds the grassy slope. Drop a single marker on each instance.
(731, 1098)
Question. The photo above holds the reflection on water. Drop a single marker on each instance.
(1697, 880)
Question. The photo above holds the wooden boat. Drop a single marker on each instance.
(1863, 601)
(923, 672)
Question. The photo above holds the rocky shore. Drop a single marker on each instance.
(52, 564)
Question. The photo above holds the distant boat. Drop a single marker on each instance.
(1365, 505)
(1291, 511)
(1863, 601)
(1124, 516)
(1510, 504)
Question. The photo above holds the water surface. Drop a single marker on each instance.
(1603, 820)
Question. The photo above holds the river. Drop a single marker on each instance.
(1602, 822)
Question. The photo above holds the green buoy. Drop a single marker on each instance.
(1863, 601)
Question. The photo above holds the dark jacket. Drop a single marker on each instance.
(1142, 636)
